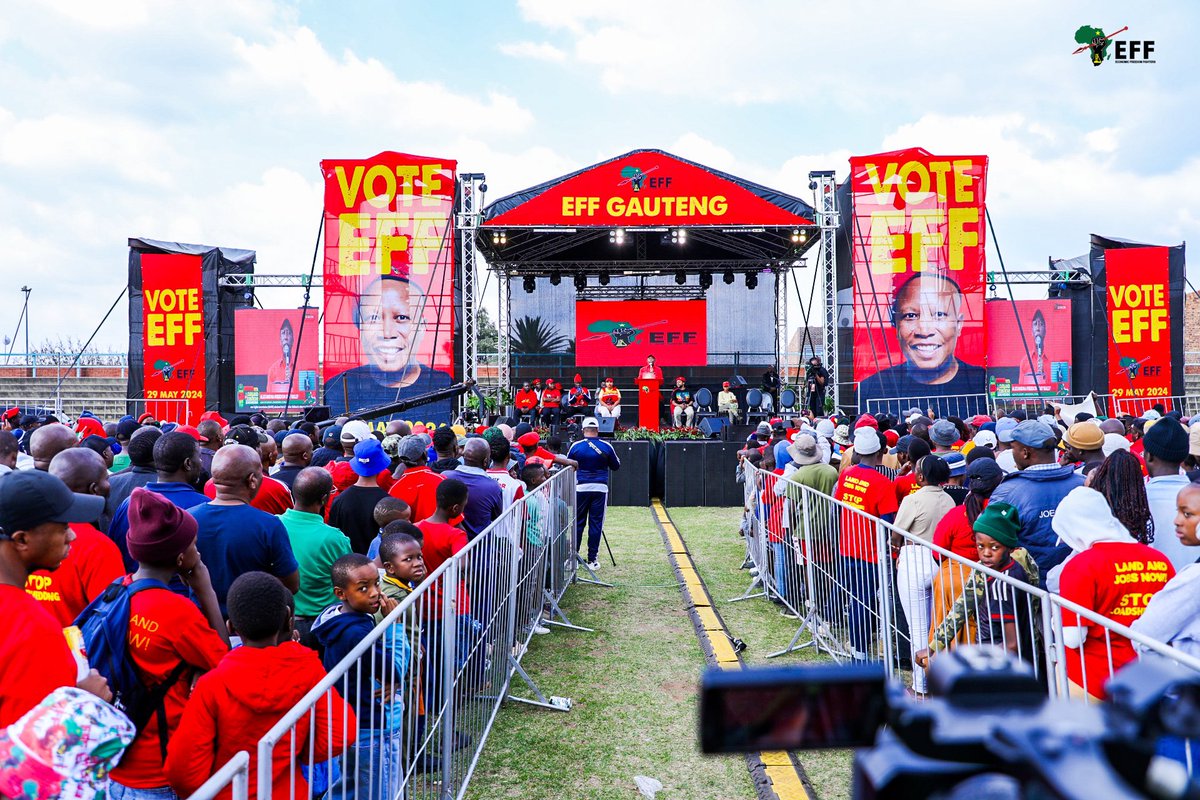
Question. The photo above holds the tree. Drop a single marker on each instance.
(485, 330)
(535, 335)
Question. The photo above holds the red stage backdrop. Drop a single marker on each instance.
(622, 334)
(173, 337)
(646, 188)
(1139, 322)
(263, 370)
(1047, 328)
(389, 281)
(918, 224)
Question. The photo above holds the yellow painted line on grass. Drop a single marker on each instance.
(710, 629)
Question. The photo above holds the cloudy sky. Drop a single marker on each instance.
(205, 121)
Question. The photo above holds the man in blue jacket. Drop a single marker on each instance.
(1036, 490)
(595, 458)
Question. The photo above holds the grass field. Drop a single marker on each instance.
(634, 680)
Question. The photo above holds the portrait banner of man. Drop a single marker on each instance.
(389, 282)
(917, 241)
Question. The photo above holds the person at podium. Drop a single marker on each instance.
(649, 371)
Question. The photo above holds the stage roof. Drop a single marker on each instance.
(627, 213)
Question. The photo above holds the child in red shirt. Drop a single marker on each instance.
(236, 704)
(168, 635)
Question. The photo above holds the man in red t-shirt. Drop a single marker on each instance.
(273, 496)
(866, 496)
(94, 561)
(418, 484)
(169, 637)
(551, 402)
(1108, 573)
(35, 509)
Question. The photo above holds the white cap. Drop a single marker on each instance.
(866, 441)
(356, 431)
(985, 439)
(591, 422)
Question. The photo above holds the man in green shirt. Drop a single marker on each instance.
(315, 545)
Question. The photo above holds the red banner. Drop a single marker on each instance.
(1139, 322)
(1038, 364)
(389, 281)
(917, 241)
(270, 356)
(622, 334)
(173, 337)
(643, 188)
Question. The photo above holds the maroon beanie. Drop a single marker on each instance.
(159, 530)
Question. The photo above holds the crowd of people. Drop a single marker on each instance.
(1103, 512)
(208, 577)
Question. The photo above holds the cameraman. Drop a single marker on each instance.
(816, 376)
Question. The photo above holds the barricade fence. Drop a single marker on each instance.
(968, 405)
(407, 712)
(863, 589)
(1189, 405)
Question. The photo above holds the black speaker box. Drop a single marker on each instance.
(711, 426)
(607, 426)
(316, 414)
(683, 481)
(739, 433)
(630, 485)
(720, 487)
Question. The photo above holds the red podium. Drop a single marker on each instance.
(648, 402)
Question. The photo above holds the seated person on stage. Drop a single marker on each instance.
(727, 403)
(579, 398)
(551, 402)
(683, 407)
(608, 400)
(526, 402)
(927, 312)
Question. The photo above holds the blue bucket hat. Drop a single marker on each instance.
(369, 458)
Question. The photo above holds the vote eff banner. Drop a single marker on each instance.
(173, 351)
(622, 334)
(1139, 322)
(917, 242)
(1028, 348)
(389, 281)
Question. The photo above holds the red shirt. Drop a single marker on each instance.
(92, 565)
(34, 657)
(418, 487)
(1116, 580)
(956, 535)
(552, 398)
(273, 496)
(772, 506)
(238, 702)
(869, 491)
(164, 629)
(441, 542)
(526, 399)
(905, 485)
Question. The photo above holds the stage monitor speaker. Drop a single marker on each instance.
(316, 414)
(739, 382)
(607, 426)
(711, 426)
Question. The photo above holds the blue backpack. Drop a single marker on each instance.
(105, 627)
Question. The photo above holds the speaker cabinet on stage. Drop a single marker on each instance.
(683, 481)
(607, 426)
(630, 485)
(720, 487)
(316, 414)
(739, 433)
(712, 426)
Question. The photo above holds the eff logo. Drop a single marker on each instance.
(1101, 47)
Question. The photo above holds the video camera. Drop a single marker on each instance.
(987, 731)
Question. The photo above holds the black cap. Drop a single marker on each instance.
(30, 497)
(242, 434)
(126, 428)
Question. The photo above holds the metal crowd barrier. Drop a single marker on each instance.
(423, 689)
(863, 589)
(1136, 406)
(234, 776)
(955, 405)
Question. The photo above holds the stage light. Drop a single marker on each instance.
(812, 186)
(580, 282)
(616, 236)
(555, 278)
(678, 236)
(803, 237)
(751, 280)
(728, 278)
(681, 278)
(499, 237)
(530, 283)
(604, 279)
(705, 280)
(796, 235)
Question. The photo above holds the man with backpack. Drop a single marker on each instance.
(35, 509)
(150, 642)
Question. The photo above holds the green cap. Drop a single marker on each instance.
(999, 521)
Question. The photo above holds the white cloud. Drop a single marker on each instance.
(536, 51)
